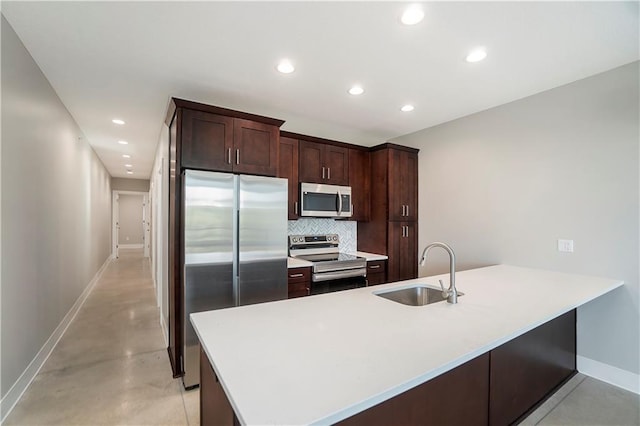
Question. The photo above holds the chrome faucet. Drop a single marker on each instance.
(451, 294)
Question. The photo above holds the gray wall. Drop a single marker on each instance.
(56, 210)
(130, 219)
(123, 184)
(503, 185)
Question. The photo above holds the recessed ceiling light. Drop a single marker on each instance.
(117, 121)
(356, 90)
(129, 172)
(412, 15)
(126, 156)
(286, 67)
(128, 165)
(123, 142)
(477, 55)
(406, 108)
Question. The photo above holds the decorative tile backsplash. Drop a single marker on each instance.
(346, 229)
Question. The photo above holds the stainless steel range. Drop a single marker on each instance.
(331, 270)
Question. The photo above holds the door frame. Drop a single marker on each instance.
(115, 213)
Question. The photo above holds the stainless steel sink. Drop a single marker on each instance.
(418, 295)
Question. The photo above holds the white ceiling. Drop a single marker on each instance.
(126, 59)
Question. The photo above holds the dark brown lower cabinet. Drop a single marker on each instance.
(525, 369)
(496, 388)
(376, 272)
(215, 408)
(458, 397)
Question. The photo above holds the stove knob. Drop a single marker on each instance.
(295, 239)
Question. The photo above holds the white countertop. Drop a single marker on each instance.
(323, 358)
(293, 262)
(299, 263)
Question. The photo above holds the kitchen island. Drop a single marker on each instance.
(326, 358)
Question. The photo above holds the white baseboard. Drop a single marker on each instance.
(607, 373)
(20, 386)
(130, 246)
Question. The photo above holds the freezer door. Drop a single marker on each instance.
(262, 239)
(208, 253)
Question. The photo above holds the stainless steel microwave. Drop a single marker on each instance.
(320, 200)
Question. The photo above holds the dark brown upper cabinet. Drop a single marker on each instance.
(403, 185)
(288, 169)
(207, 141)
(228, 144)
(323, 163)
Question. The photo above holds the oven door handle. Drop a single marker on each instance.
(339, 203)
(326, 276)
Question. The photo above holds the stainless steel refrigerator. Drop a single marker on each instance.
(235, 248)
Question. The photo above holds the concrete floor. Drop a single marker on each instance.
(111, 367)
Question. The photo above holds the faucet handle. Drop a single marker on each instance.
(445, 293)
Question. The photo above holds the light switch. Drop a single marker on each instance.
(565, 246)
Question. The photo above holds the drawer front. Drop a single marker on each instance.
(296, 275)
(376, 267)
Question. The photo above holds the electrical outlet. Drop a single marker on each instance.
(565, 246)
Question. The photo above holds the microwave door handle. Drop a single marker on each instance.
(339, 204)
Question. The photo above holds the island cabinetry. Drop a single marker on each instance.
(215, 408)
(323, 163)
(393, 226)
(542, 358)
(458, 397)
(299, 282)
(228, 144)
(360, 183)
(288, 169)
(497, 388)
(376, 272)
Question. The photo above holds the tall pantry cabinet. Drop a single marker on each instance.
(393, 227)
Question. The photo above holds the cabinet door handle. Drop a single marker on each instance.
(237, 156)
(374, 267)
(407, 209)
(229, 156)
(403, 212)
(308, 291)
(295, 275)
(329, 173)
(323, 173)
(295, 207)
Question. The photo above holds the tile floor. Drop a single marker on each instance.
(111, 367)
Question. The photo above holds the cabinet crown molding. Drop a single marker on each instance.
(197, 106)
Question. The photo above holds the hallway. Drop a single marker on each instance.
(111, 365)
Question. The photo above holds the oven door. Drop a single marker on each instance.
(329, 286)
(319, 200)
